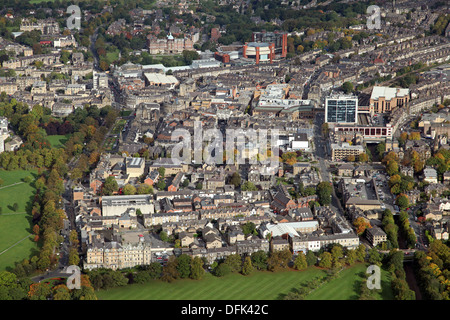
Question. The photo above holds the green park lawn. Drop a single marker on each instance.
(347, 285)
(257, 286)
(58, 141)
(15, 245)
(40, 1)
(112, 56)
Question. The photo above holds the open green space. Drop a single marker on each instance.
(125, 113)
(58, 141)
(346, 286)
(169, 60)
(112, 56)
(15, 227)
(257, 286)
(39, 1)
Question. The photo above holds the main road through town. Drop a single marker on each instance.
(321, 154)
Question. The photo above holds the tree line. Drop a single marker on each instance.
(432, 270)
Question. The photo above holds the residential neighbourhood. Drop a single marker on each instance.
(160, 130)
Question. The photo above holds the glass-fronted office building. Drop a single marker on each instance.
(341, 109)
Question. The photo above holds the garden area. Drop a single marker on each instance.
(109, 143)
(118, 126)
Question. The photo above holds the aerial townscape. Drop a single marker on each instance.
(224, 150)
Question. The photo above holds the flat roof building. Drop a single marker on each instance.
(376, 235)
(135, 167)
(160, 79)
(117, 205)
(343, 150)
(341, 109)
(385, 99)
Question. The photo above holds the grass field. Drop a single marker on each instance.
(112, 56)
(258, 286)
(15, 225)
(347, 285)
(58, 141)
(40, 1)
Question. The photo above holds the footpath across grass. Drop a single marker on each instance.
(15, 245)
(347, 285)
(257, 286)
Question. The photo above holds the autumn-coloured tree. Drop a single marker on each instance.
(396, 189)
(395, 179)
(76, 174)
(61, 292)
(74, 259)
(289, 158)
(310, 32)
(94, 157)
(39, 291)
(418, 166)
(392, 168)
(361, 225)
(101, 52)
(414, 135)
(290, 45)
(403, 137)
(402, 201)
(73, 238)
(148, 140)
(391, 156)
(363, 157)
(85, 281)
(36, 229)
(104, 65)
